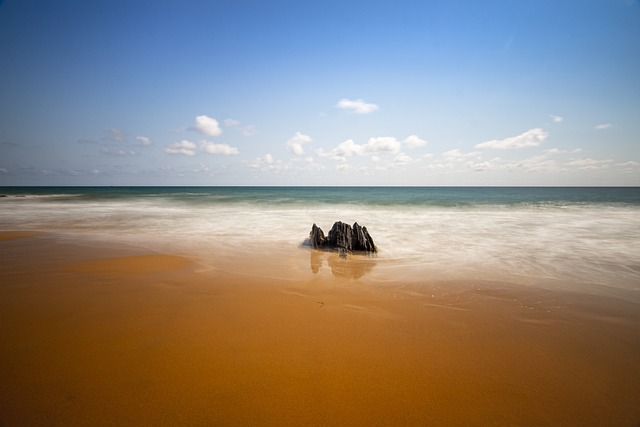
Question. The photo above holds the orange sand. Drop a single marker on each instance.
(99, 336)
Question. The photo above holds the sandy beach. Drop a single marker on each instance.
(96, 334)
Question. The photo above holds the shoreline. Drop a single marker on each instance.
(109, 334)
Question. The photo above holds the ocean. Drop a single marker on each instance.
(575, 238)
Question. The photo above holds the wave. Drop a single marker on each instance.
(341, 196)
(579, 241)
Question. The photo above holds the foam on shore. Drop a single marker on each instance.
(97, 335)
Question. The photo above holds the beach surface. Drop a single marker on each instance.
(104, 334)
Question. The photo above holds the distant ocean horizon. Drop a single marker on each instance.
(581, 235)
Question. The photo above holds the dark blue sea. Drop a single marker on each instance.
(580, 235)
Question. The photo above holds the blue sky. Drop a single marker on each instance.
(133, 92)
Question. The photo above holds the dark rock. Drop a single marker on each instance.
(362, 241)
(316, 237)
(342, 238)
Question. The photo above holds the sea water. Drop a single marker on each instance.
(584, 236)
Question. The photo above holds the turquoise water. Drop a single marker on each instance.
(571, 235)
(387, 196)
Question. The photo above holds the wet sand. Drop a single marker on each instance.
(93, 334)
(10, 235)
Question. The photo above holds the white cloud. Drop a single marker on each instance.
(530, 138)
(345, 149)
(115, 151)
(629, 167)
(208, 126)
(144, 140)
(589, 164)
(95, 172)
(483, 166)
(586, 162)
(295, 143)
(453, 162)
(439, 166)
(3, 170)
(376, 147)
(188, 148)
(231, 122)
(533, 164)
(211, 148)
(184, 147)
(343, 167)
(556, 119)
(451, 159)
(456, 160)
(552, 151)
(267, 163)
(603, 126)
(537, 164)
(349, 148)
(413, 141)
(630, 163)
(311, 164)
(383, 144)
(457, 155)
(402, 159)
(357, 106)
(262, 163)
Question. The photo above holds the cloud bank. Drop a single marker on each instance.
(225, 149)
(530, 138)
(184, 147)
(375, 146)
(188, 148)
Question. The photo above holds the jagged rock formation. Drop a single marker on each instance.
(342, 238)
(316, 237)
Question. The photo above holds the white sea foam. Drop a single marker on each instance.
(582, 244)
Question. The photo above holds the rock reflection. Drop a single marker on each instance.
(317, 259)
(351, 267)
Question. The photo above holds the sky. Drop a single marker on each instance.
(275, 92)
